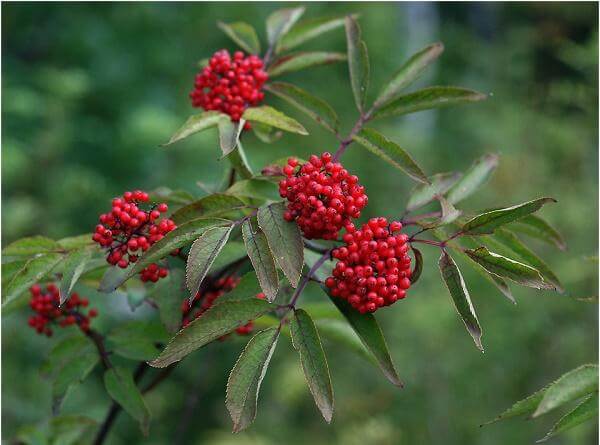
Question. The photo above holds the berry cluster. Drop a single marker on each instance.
(322, 196)
(204, 300)
(373, 268)
(230, 85)
(127, 230)
(48, 312)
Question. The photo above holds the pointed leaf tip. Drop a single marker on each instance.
(202, 255)
(245, 379)
(390, 152)
(460, 296)
(261, 259)
(358, 62)
(306, 340)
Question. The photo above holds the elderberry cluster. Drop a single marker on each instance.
(48, 312)
(373, 268)
(322, 196)
(128, 230)
(205, 299)
(230, 85)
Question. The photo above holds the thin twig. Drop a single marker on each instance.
(159, 378)
(306, 279)
(310, 245)
(115, 408)
(98, 340)
(430, 242)
(415, 219)
(363, 119)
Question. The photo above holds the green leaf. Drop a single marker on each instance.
(525, 406)
(136, 296)
(474, 178)
(175, 239)
(316, 108)
(197, 123)
(219, 320)
(423, 194)
(570, 386)
(428, 98)
(280, 22)
(217, 204)
(340, 332)
(120, 386)
(262, 259)
(113, 277)
(242, 34)
(449, 212)
(309, 29)
(409, 72)
(536, 227)
(32, 246)
(302, 60)
(202, 255)
(237, 159)
(73, 267)
(232, 252)
(229, 134)
(248, 287)
(284, 239)
(487, 222)
(255, 188)
(390, 152)
(511, 241)
(71, 429)
(460, 296)
(76, 242)
(586, 410)
(307, 342)
(137, 340)
(416, 273)
(495, 280)
(169, 293)
(33, 271)
(67, 365)
(31, 435)
(358, 62)
(321, 309)
(326, 270)
(9, 270)
(275, 118)
(506, 268)
(246, 377)
(174, 197)
(266, 133)
(368, 330)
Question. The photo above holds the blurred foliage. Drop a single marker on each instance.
(91, 90)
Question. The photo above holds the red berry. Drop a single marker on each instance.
(230, 84)
(322, 196)
(375, 270)
(206, 298)
(48, 312)
(128, 228)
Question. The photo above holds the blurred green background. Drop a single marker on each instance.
(91, 90)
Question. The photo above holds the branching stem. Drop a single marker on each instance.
(345, 142)
(305, 279)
